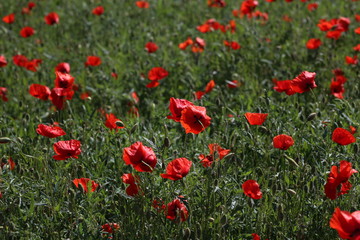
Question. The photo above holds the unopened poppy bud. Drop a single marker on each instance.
(218, 102)
(5, 140)
(223, 220)
(166, 142)
(211, 219)
(291, 191)
(292, 161)
(311, 116)
(120, 124)
(187, 233)
(133, 129)
(263, 129)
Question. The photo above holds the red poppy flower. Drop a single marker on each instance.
(313, 43)
(343, 24)
(10, 162)
(352, 129)
(351, 60)
(284, 86)
(209, 87)
(158, 204)
(199, 45)
(357, 17)
(256, 118)
(177, 169)
(135, 97)
(176, 106)
(216, 3)
(3, 93)
(346, 224)
(304, 82)
(27, 32)
(33, 65)
(283, 141)
(142, 4)
(59, 95)
(312, 6)
(20, 60)
(216, 153)
(112, 122)
(286, 18)
(9, 19)
(209, 26)
(110, 227)
(176, 210)
(233, 84)
(40, 91)
(233, 45)
(133, 112)
(185, 44)
(83, 182)
(31, 5)
(255, 236)
(151, 47)
(252, 189)
(357, 30)
(67, 149)
(92, 61)
(98, 10)
(342, 136)
(133, 189)
(194, 119)
(85, 95)
(3, 61)
(52, 18)
(64, 80)
(142, 158)
(248, 6)
(156, 74)
(25, 10)
(337, 89)
(338, 181)
(63, 67)
(114, 75)
(357, 47)
(336, 34)
(50, 131)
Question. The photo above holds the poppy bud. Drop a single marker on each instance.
(5, 140)
(133, 129)
(263, 129)
(153, 139)
(292, 161)
(187, 233)
(223, 220)
(291, 191)
(120, 124)
(311, 117)
(211, 219)
(166, 142)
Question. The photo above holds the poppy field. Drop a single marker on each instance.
(180, 119)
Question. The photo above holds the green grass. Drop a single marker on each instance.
(41, 202)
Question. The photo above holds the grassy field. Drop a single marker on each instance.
(38, 197)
